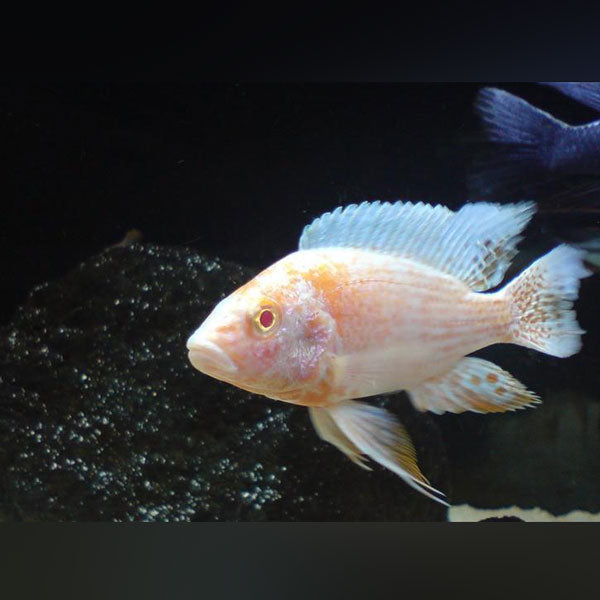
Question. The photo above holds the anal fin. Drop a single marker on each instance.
(359, 429)
(474, 385)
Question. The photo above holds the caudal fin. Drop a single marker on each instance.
(509, 119)
(542, 299)
(586, 92)
(522, 136)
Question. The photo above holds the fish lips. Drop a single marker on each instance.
(208, 357)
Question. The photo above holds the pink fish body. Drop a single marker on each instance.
(384, 297)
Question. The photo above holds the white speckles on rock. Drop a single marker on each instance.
(103, 419)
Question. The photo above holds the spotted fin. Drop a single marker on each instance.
(542, 299)
(359, 429)
(472, 385)
(474, 244)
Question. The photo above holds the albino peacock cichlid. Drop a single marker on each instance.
(383, 297)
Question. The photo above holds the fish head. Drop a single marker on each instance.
(271, 336)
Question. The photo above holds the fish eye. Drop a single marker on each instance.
(266, 318)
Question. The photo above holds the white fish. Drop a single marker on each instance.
(383, 297)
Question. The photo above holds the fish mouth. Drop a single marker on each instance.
(209, 358)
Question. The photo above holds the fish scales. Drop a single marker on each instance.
(383, 297)
(401, 312)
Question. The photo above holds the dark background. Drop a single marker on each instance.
(234, 170)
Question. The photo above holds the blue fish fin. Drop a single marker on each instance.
(586, 92)
(522, 136)
(509, 119)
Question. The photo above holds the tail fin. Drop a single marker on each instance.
(508, 119)
(542, 300)
(586, 92)
(523, 136)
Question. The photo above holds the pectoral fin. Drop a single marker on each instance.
(473, 384)
(360, 429)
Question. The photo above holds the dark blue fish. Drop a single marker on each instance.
(532, 154)
(535, 144)
(586, 92)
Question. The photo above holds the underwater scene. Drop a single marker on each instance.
(300, 302)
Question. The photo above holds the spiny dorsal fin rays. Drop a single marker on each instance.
(474, 244)
(376, 433)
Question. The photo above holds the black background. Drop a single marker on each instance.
(234, 170)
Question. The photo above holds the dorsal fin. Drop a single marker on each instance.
(474, 244)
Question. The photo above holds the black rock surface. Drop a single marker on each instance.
(103, 418)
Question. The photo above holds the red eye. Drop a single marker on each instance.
(266, 319)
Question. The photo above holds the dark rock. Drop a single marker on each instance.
(103, 418)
